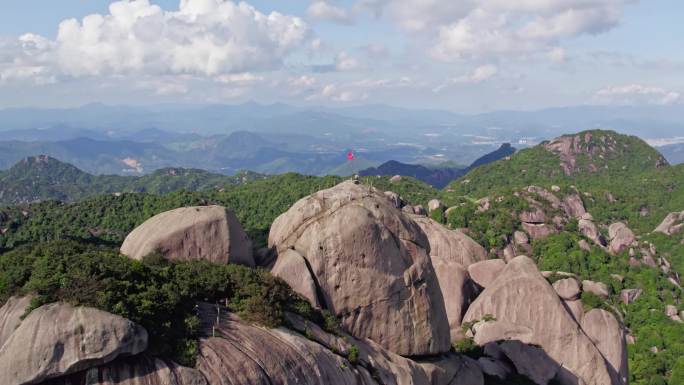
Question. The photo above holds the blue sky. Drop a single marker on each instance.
(468, 56)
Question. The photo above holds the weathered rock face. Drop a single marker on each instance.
(458, 291)
(621, 237)
(210, 233)
(450, 245)
(394, 198)
(538, 231)
(598, 288)
(59, 339)
(609, 338)
(451, 252)
(372, 266)
(291, 267)
(628, 296)
(527, 309)
(573, 206)
(536, 216)
(521, 238)
(486, 272)
(589, 230)
(568, 289)
(245, 354)
(672, 224)
(10, 316)
(531, 361)
(139, 370)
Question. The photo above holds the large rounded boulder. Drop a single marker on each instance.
(450, 245)
(371, 265)
(209, 233)
(59, 339)
(522, 306)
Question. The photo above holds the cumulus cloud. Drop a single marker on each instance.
(209, 38)
(472, 29)
(343, 62)
(634, 94)
(26, 59)
(323, 10)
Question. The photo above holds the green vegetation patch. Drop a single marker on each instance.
(159, 295)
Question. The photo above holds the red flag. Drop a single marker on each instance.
(350, 155)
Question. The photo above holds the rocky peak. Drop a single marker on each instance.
(591, 151)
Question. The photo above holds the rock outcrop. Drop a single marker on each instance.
(11, 314)
(538, 231)
(458, 291)
(450, 245)
(138, 370)
(609, 337)
(672, 224)
(526, 308)
(372, 266)
(59, 339)
(210, 233)
(628, 296)
(598, 288)
(246, 354)
(568, 289)
(485, 273)
(621, 237)
(292, 267)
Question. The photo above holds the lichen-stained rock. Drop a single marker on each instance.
(521, 299)
(458, 291)
(621, 237)
(209, 233)
(59, 339)
(372, 265)
(138, 370)
(606, 333)
(291, 267)
(485, 273)
(11, 314)
(450, 245)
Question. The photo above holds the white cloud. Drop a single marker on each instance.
(360, 90)
(203, 37)
(478, 75)
(245, 78)
(473, 29)
(344, 62)
(323, 10)
(634, 94)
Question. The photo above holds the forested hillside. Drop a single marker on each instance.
(44, 178)
(586, 206)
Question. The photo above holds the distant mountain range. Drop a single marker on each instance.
(279, 138)
(40, 178)
(438, 177)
